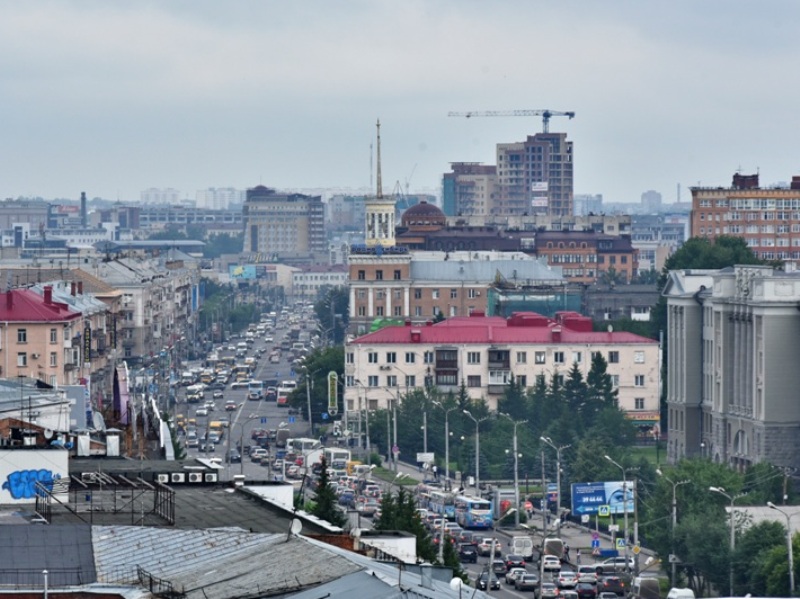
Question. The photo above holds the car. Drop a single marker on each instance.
(587, 574)
(217, 384)
(619, 564)
(513, 574)
(468, 553)
(201, 411)
(258, 454)
(548, 590)
(550, 563)
(230, 405)
(527, 582)
(611, 584)
(254, 396)
(485, 546)
(234, 457)
(568, 594)
(586, 590)
(207, 447)
(209, 405)
(514, 561)
(293, 471)
(499, 567)
(485, 580)
(607, 595)
(277, 465)
(217, 394)
(567, 579)
(369, 507)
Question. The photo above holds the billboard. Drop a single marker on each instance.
(245, 271)
(539, 202)
(588, 497)
(333, 393)
(539, 186)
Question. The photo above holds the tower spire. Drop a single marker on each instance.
(379, 194)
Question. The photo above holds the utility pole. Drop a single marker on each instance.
(425, 431)
(544, 501)
(516, 423)
(549, 441)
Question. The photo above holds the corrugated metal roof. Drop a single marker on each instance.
(528, 269)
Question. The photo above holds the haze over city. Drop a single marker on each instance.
(115, 98)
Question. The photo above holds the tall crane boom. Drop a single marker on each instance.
(545, 114)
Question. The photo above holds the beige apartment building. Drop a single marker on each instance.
(486, 352)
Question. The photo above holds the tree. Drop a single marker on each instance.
(223, 243)
(332, 311)
(513, 401)
(753, 568)
(326, 506)
(399, 512)
(318, 364)
(601, 392)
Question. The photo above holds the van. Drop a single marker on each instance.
(647, 587)
(675, 593)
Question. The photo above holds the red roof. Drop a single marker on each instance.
(26, 306)
(520, 328)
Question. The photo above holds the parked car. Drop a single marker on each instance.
(468, 553)
(513, 574)
(485, 580)
(527, 582)
(586, 590)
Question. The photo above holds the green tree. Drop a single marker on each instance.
(326, 507)
(316, 367)
(601, 391)
(575, 395)
(514, 401)
(223, 243)
(752, 565)
(332, 312)
(399, 512)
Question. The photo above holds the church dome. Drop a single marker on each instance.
(424, 215)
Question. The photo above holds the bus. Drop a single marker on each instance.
(301, 445)
(240, 372)
(442, 503)
(337, 458)
(207, 377)
(473, 512)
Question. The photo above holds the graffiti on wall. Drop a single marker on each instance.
(21, 484)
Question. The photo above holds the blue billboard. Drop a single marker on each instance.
(587, 498)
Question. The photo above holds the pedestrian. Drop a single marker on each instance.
(578, 556)
(566, 552)
(435, 472)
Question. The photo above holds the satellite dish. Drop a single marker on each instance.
(48, 434)
(296, 527)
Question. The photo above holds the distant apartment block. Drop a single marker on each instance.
(284, 226)
(585, 204)
(469, 189)
(155, 195)
(768, 219)
(219, 198)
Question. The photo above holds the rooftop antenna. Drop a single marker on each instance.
(378, 179)
(370, 165)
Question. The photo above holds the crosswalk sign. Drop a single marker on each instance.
(604, 511)
(620, 543)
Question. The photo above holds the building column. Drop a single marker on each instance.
(371, 302)
(352, 307)
(389, 291)
(406, 302)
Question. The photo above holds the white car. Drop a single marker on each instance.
(201, 411)
(550, 563)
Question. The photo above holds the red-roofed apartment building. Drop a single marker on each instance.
(36, 336)
(484, 352)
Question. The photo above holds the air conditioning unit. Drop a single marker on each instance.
(35, 356)
(211, 477)
(162, 478)
(178, 477)
(477, 294)
(195, 477)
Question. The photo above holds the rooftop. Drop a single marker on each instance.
(23, 305)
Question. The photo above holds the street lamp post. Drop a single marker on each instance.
(732, 499)
(516, 423)
(675, 486)
(624, 506)
(446, 440)
(477, 422)
(558, 449)
(788, 543)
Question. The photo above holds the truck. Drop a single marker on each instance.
(522, 545)
(282, 436)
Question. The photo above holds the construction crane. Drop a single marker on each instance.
(545, 114)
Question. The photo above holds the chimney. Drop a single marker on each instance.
(80, 287)
(48, 295)
(83, 209)
(72, 289)
(9, 300)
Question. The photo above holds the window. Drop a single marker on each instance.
(522, 357)
(429, 357)
(638, 403)
(435, 293)
(398, 310)
(539, 357)
(411, 380)
(472, 294)
(361, 294)
(378, 310)
(396, 275)
(53, 358)
(613, 357)
(474, 380)
(22, 335)
(53, 335)
(615, 380)
(638, 357)
(372, 380)
(473, 357)
(351, 358)
(372, 357)
(362, 275)
(638, 380)
(522, 380)
(391, 381)
(22, 359)
(349, 380)
(558, 357)
(362, 310)
(417, 310)
(391, 357)
(411, 357)
(379, 275)
(454, 294)
(577, 357)
(418, 294)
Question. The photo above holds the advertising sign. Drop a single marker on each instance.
(333, 393)
(87, 344)
(539, 186)
(588, 497)
(552, 492)
(245, 271)
(539, 201)
(425, 458)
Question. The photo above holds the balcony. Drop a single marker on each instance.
(70, 366)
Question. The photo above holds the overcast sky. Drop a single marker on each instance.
(114, 97)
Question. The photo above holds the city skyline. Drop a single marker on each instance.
(116, 99)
